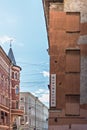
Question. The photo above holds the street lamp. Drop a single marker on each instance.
(35, 113)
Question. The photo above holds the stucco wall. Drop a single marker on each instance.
(77, 6)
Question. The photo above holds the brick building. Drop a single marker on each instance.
(9, 90)
(66, 22)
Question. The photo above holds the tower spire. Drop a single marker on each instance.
(10, 53)
(11, 43)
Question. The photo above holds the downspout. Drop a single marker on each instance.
(10, 96)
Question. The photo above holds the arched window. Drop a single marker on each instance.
(17, 90)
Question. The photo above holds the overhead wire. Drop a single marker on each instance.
(34, 64)
(41, 65)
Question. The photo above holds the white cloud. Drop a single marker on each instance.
(6, 39)
(40, 91)
(43, 96)
(45, 74)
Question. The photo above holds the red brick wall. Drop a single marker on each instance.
(64, 31)
(67, 33)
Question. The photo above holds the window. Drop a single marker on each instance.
(72, 60)
(22, 120)
(7, 102)
(22, 107)
(30, 121)
(57, 1)
(22, 99)
(0, 78)
(72, 83)
(60, 0)
(3, 81)
(16, 75)
(2, 115)
(0, 99)
(13, 105)
(72, 105)
(17, 90)
(17, 104)
(26, 119)
(7, 83)
(73, 22)
(12, 75)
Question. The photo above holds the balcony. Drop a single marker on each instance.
(4, 119)
(17, 112)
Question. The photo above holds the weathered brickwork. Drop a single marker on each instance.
(70, 6)
(67, 32)
(9, 94)
(80, 6)
(77, 6)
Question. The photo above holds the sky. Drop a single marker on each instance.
(23, 22)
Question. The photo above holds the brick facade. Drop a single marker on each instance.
(67, 34)
(9, 92)
(4, 90)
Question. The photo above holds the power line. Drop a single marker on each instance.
(34, 82)
(33, 73)
(44, 63)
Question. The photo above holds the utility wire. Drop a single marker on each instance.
(36, 64)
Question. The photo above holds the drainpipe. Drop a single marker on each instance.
(36, 98)
(10, 97)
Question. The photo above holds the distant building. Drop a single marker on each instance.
(66, 22)
(9, 90)
(35, 113)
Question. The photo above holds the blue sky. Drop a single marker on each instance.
(23, 21)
